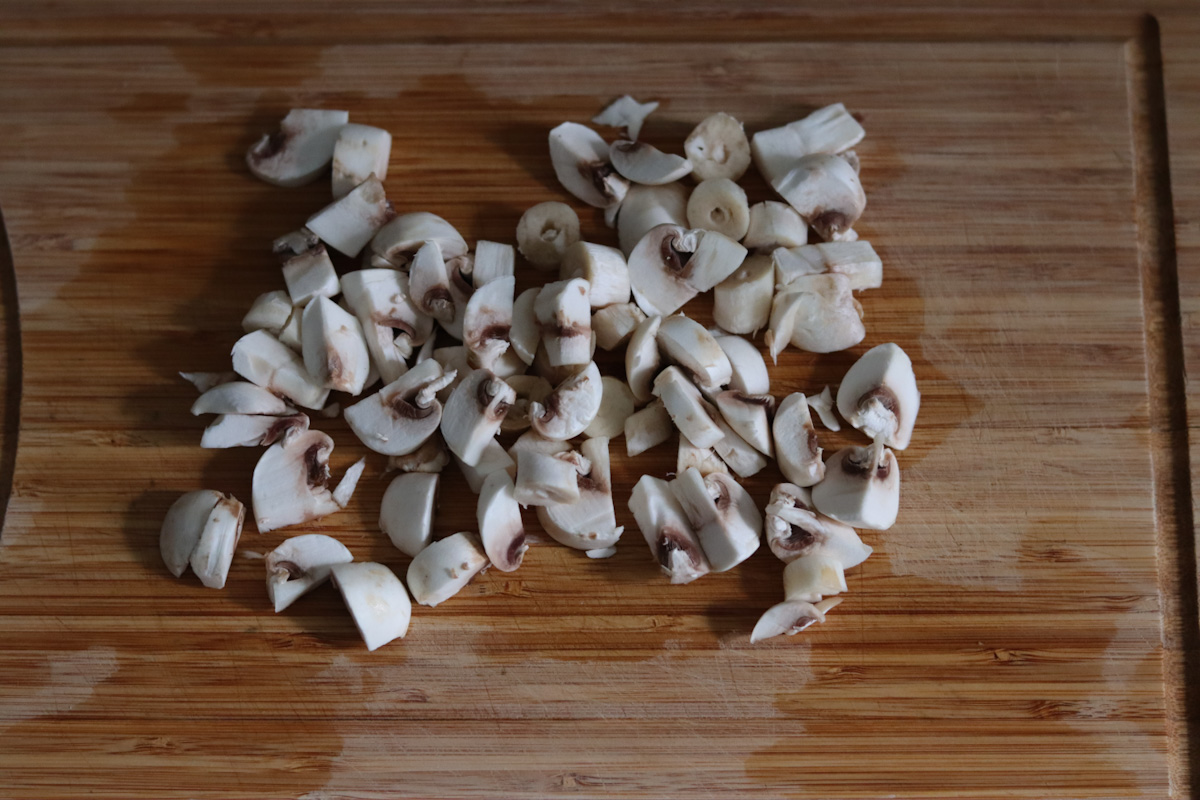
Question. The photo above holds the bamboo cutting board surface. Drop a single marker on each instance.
(1004, 640)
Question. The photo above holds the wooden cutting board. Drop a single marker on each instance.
(1006, 639)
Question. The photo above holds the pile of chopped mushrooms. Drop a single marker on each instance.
(525, 363)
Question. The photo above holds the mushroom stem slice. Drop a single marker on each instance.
(589, 523)
(773, 225)
(376, 599)
(723, 515)
(790, 617)
(500, 527)
(571, 407)
(742, 302)
(879, 395)
(647, 428)
(442, 569)
(348, 223)
(795, 528)
(717, 148)
(666, 529)
(748, 369)
(301, 564)
(406, 513)
(796, 446)
(645, 207)
(543, 479)
(248, 430)
(626, 113)
(262, 359)
(300, 151)
(686, 407)
(603, 268)
(645, 164)
(642, 359)
(861, 487)
(240, 397)
(474, 412)
(688, 344)
(613, 325)
(493, 260)
(719, 204)
(564, 313)
(401, 416)
(581, 163)
(545, 232)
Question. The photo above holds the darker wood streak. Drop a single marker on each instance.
(10, 372)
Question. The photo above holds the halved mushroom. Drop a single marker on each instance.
(647, 428)
(795, 528)
(719, 204)
(493, 458)
(203, 381)
(748, 370)
(688, 344)
(704, 459)
(269, 312)
(827, 130)
(239, 397)
(823, 405)
(359, 152)
(406, 513)
(717, 148)
(376, 599)
(627, 113)
(493, 260)
(543, 478)
(748, 414)
(202, 528)
(571, 407)
(861, 487)
(488, 320)
(813, 576)
(796, 445)
(580, 159)
(262, 359)
(645, 207)
(645, 164)
(545, 232)
(401, 416)
(879, 395)
(443, 568)
(614, 324)
(744, 459)
(686, 407)
(642, 358)
(616, 405)
(335, 351)
(529, 389)
(429, 457)
(563, 311)
(310, 274)
(603, 268)
(348, 223)
(817, 313)
(667, 530)
(301, 564)
(825, 191)
(474, 412)
(590, 523)
(500, 526)
(301, 150)
(858, 261)
(671, 265)
(397, 241)
(525, 333)
(429, 283)
(791, 617)
(251, 430)
(772, 225)
(723, 514)
(290, 482)
(742, 302)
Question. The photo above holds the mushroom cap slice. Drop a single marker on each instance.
(645, 164)
(686, 407)
(613, 325)
(626, 112)
(493, 458)
(571, 407)
(525, 333)
(748, 415)
(442, 569)
(645, 207)
(667, 531)
(616, 406)
(240, 397)
(376, 599)
(742, 458)
(717, 148)
(879, 395)
(742, 302)
(251, 430)
(817, 313)
(642, 358)
(401, 416)
(290, 482)
(544, 478)
(603, 268)
(334, 348)
(301, 564)
(474, 412)
(488, 320)
(748, 369)
(813, 576)
(795, 528)
(382, 297)
(723, 514)
(500, 527)
(861, 487)
(647, 428)
(825, 191)
(796, 446)
(429, 283)
(401, 238)
(580, 158)
(183, 526)
(214, 550)
(300, 151)
(688, 344)
(773, 225)
(406, 513)
(564, 313)
(590, 522)
(349, 222)
(790, 617)
(492, 260)
(262, 359)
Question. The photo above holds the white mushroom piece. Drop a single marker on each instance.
(744, 459)
(529, 389)
(671, 265)
(717, 148)
(399, 240)
(719, 204)
(406, 513)
(613, 325)
(263, 360)
(442, 569)
(858, 261)
(333, 346)
(825, 191)
(723, 514)
(827, 130)
(688, 344)
(349, 482)
(201, 529)
(603, 268)
(545, 231)
(644, 163)
(309, 274)
(429, 457)
(642, 359)
(749, 416)
(487, 322)
(742, 302)
(748, 369)
(359, 152)
(251, 430)
(686, 407)
(795, 528)
(616, 406)
(203, 381)
(474, 412)
(376, 600)
(589, 523)
(544, 478)
(791, 617)
(705, 459)
(349, 222)
(380, 299)
(645, 207)
(290, 335)
(647, 428)
(289, 486)
(581, 163)
(817, 313)
(879, 395)
(571, 407)
(493, 260)
(667, 531)
(525, 333)
(493, 458)
(269, 312)
(813, 576)
(401, 416)
(823, 405)
(861, 487)
(300, 151)
(796, 445)
(240, 397)
(563, 311)
(301, 564)
(773, 225)
(499, 518)
(627, 113)
(429, 283)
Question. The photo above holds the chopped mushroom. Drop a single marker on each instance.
(667, 530)
(647, 428)
(529, 389)
(616, 406)
(563, 311)
(406, 513)
(589, 523)
(686, 407)
(642, 358)
(202, 529)
(671, 265)
(493, 260)
(796, 444)
(348, 223)
(310, 274)
(603, 268)
(773, 225)
(748, 370)
(813, 576)
(399, 240)
(645, 164)
(376, 600)
(492, 459)
(686, 342)
(613, 325)
(301, 564)
(525, 333)
(474, 412)
(823, 405)
(360, 152)
(442, 569)
(858, 261)
(240, 397)
(790, 617)
(817, 313)
(301, 150)
(251, 430)
(544, 478)
(401, 416)
(581, 163)
(429, 283)
(646, 207)
(571, 407)
(627, 113)
(748, 414)
(719, 204)
(203, 381)
(268, 312)
(704, 459)
(795, 528)
(545, 232)
(429, 457)
(879, 395)
(334, 348)
(861, 487)
(723, 514)
(828, 130)
(290, 482)
(381, 301)
(262, 359)
(825, 191)
(500, 526)
(488, 320)
(717, 148)
(742, 302)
